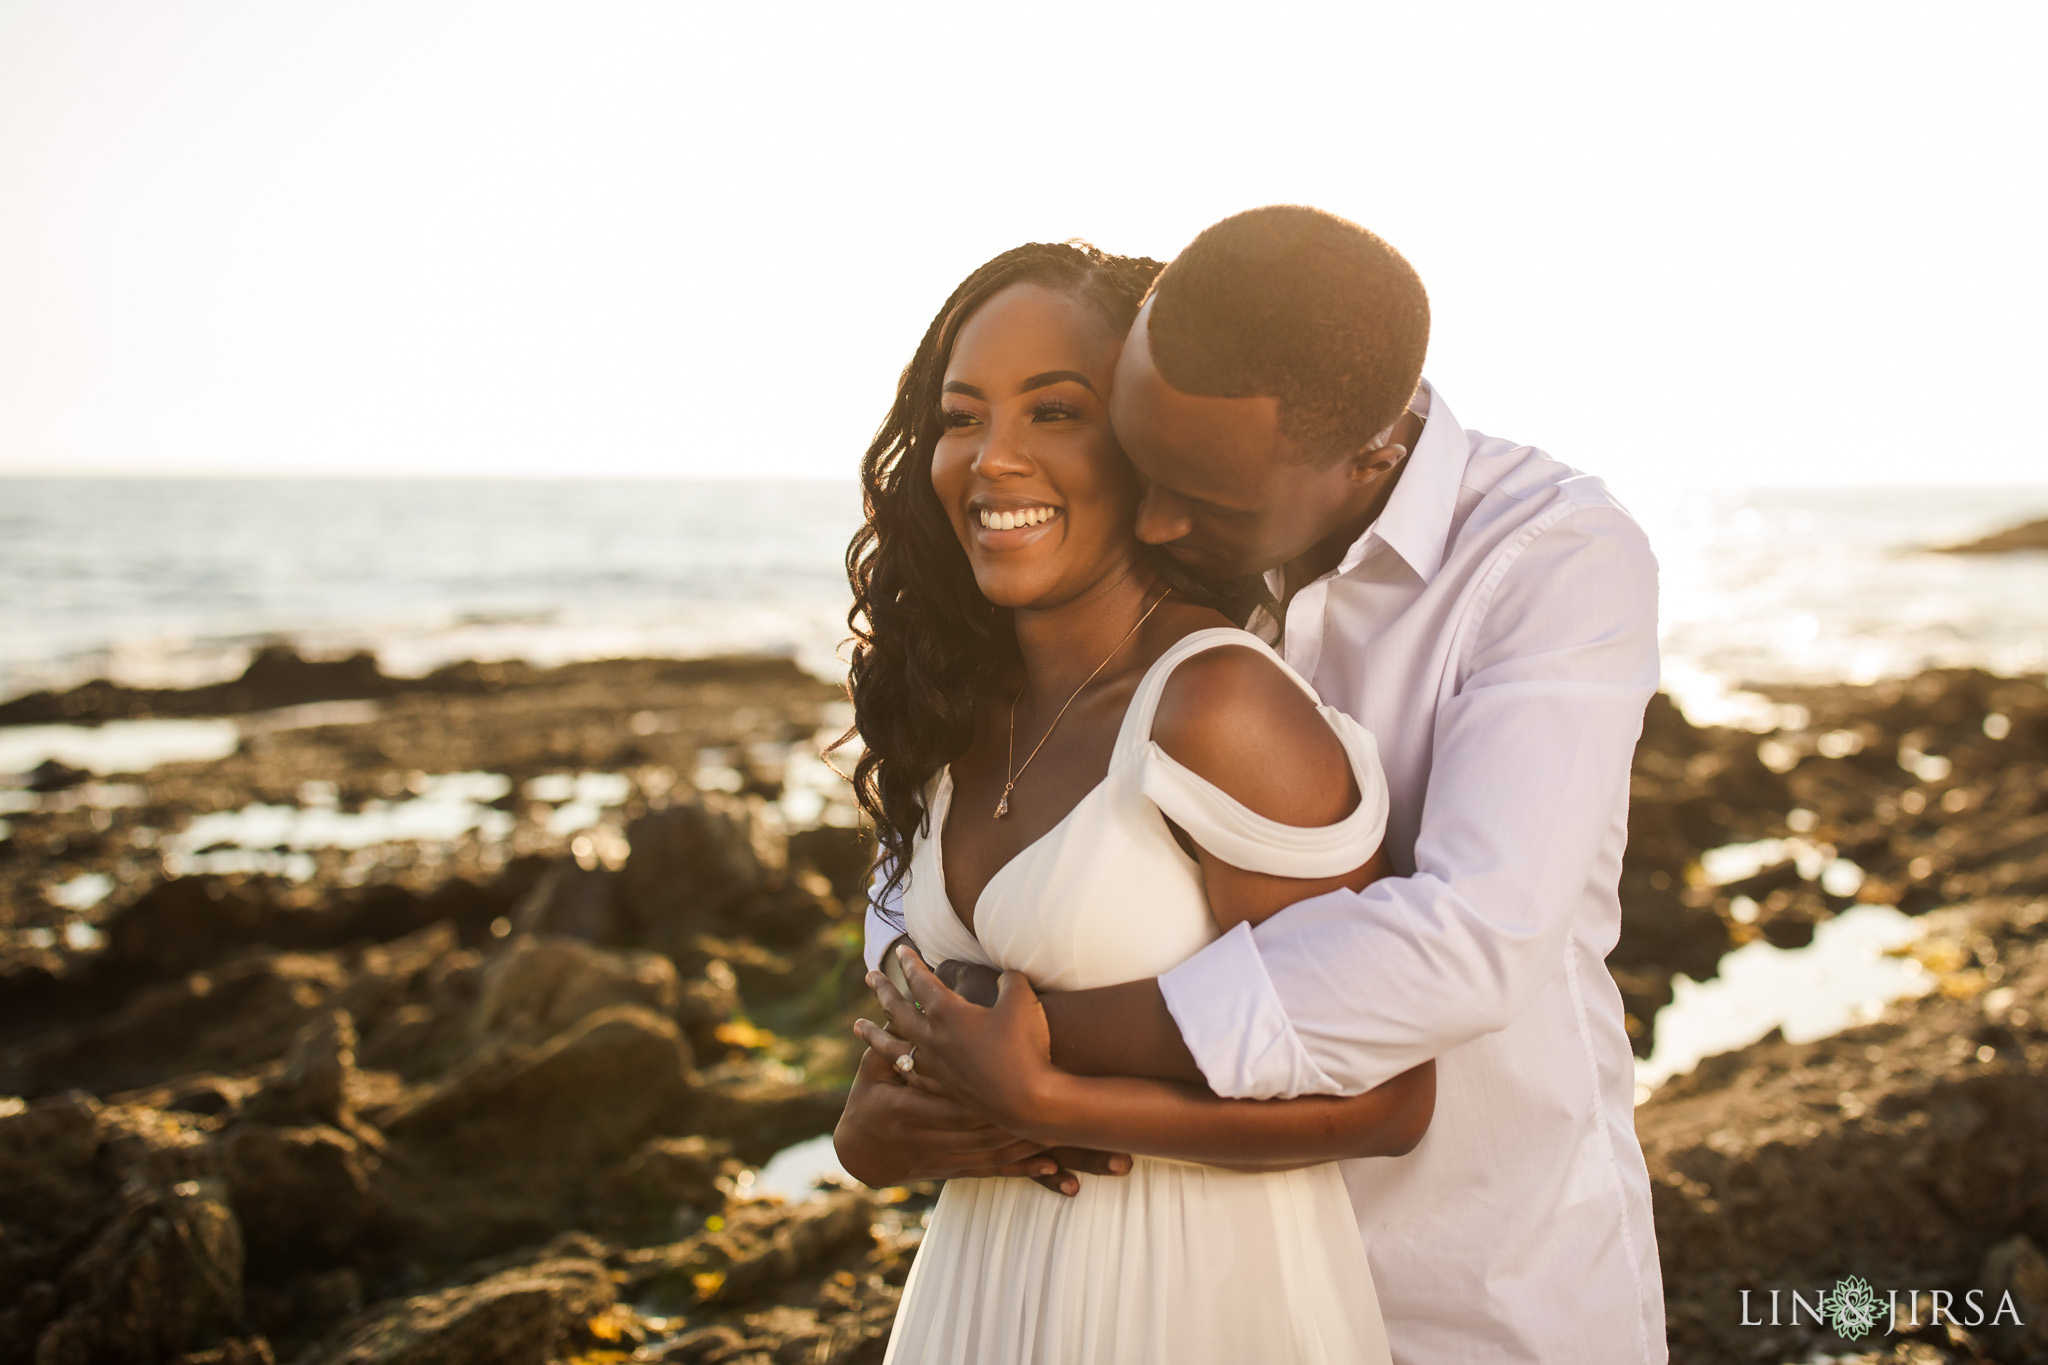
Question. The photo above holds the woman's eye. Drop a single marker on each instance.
(951, 418)
(1054, 412)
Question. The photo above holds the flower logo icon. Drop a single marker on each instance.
(1852, 1307)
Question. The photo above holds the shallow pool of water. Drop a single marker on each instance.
(119, 746)
(1845, 976)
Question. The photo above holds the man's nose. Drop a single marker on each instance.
(1162, 518)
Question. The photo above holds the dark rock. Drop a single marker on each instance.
(53, 776)
(760, 1245)
(160, 1279)
(695, 860)
(2018, 1267)
(54, 1190)
(304, 1197)
(845, 857)
(536, 987)
(2032, 535)
(644, 1190)
(240, 1351)
(238, 1017)
(1903, 1151)
(761, 1116)
(184, 924)
(517, 1317)
(573, 902)
(511, 1146)
(313, 1087)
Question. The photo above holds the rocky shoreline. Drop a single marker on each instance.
(450, 1019)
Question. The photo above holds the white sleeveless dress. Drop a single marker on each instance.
(1174, 1263)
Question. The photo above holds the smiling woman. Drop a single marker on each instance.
(930, 645)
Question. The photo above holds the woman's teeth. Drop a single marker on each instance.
(1010, 521)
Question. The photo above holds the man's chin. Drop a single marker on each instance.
(1205, 564)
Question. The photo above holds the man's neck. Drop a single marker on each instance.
(1327, 553)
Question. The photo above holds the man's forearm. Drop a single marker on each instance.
(1121, 1030)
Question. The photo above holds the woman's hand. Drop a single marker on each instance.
(996, 1060)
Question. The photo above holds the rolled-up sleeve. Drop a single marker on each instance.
(885, 918)
(1528, 777)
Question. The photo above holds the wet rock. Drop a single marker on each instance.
(304, 1196)
(573, 902)
(694, 860)
(54, 1191)
(237, 1017)
(52, 775)
(2032, 535)
(516, 1317)
(240, 1351)
(184, 924)
(708, 999)
(2019, 1268)
(1902, 1151)
(759, 1246)
(844, 856)
(509, 1147)
(313, 1087)
(645, 1190)
(536, 987)
(161, 1278)
(761, 1114)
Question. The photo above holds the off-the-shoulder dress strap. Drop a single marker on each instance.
(1136, 731)
(1225, 826)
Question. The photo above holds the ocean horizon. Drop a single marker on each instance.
(175, 581)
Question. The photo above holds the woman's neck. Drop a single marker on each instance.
(1062, 645)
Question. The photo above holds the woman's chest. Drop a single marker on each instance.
(1105, 896)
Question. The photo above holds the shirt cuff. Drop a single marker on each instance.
(883, 930)
(1231, 1018)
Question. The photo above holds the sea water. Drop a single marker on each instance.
(177, 581)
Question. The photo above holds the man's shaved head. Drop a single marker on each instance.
(1301, 306)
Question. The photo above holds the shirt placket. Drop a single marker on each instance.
(1302, 645)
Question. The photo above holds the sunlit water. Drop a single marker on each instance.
(1847, 975)
(174, 581)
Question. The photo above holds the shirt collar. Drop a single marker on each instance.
(1416, 522)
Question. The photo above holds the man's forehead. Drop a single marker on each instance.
(1198, 445)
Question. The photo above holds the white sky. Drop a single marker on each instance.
(1739, 243)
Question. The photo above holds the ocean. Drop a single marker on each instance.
(176, 581)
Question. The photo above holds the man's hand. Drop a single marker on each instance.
(892, 1133)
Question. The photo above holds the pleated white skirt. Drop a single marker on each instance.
(1173, 1264)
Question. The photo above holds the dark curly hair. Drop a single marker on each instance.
(927, 645)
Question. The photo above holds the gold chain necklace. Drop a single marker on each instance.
(1010, 778)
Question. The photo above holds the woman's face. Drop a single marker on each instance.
(1036, 487)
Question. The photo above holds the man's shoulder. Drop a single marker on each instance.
(1525, 473)
(1512, 486)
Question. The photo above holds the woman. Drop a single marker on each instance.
(1080, 772)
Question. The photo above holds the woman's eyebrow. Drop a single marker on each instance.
(1039, 381)
(955, 386)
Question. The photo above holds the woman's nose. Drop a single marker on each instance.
(1004, 451)
(1162, 518)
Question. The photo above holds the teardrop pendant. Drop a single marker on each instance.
(1003, 806)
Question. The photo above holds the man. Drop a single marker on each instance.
(1490, 615)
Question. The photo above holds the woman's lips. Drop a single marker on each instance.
(1015, 518)
(1008, 528)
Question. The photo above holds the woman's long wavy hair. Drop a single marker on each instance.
(927, 645)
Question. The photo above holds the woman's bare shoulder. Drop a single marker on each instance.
(1235, 717)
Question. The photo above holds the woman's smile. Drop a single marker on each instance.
(1005, 524)
(1039, 494)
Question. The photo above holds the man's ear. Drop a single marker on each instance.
(1369, 466)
